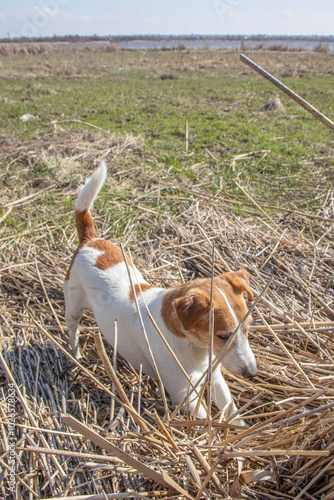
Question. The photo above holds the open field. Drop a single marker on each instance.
(258, 185)
(153, 94)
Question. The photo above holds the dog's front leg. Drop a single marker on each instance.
(182, 395)
(222, 397)
(193, 404)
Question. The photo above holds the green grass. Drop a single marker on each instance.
(124, 93)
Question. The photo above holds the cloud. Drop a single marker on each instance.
(49, 17)
(48, 14)
(284, 15)
(42, 20)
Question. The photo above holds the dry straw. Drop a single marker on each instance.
(287, 452)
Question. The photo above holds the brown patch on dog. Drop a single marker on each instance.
(187, 306)
(142, 287)
(191, 307)
(86, 231)
(177, 307)
(85, 226)
(240, 282)
(111, 255)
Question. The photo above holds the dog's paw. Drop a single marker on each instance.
(76, 354)
(201, 413)
(240, 422)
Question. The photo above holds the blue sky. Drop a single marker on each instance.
(129, 17)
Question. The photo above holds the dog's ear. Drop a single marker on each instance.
(191, 307)
(240, 282)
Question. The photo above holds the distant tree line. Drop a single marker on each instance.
(161, 38)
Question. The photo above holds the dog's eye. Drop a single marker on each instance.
(223, 336)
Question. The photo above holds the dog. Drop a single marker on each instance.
(98, 278)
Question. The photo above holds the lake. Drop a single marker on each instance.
(309, 44)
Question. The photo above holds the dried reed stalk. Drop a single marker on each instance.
(293, 95)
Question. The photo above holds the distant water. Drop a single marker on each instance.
(223, 44)
(207, 43)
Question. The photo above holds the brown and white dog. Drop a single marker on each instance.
(98, 279)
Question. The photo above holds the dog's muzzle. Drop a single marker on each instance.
(249, 372)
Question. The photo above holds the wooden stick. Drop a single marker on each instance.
(112, 405)
(5, 215)
(160, 477)
(47, 297)
(291, 326)
(277, 453)
(299, 100)
(114, 496)
(207, 468)
(209, 476)
(163, 429)
(73, 454)
(211, 330)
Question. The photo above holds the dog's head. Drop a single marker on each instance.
(191, 308)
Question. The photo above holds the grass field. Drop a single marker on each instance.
(194, 160)
(153, 94)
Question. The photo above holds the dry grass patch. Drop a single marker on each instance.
(55, 158)
(288, 450)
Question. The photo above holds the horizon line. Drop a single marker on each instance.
(162, 36)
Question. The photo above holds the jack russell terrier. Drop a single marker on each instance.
(98, 278)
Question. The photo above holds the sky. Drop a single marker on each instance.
(129, 17)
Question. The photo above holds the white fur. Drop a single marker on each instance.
(230, 307)
(91, 188)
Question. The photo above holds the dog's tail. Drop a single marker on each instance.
(85, 200)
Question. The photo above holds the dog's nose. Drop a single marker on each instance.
(249, 372)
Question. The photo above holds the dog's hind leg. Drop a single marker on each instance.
(75, 304)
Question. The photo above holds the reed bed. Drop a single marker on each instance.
(38, 48)
(75, 436)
